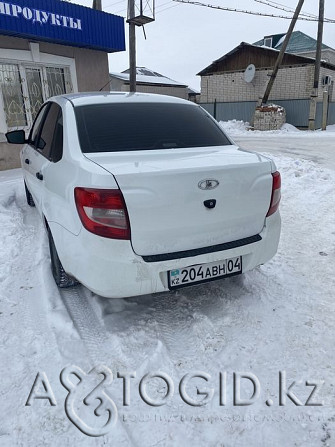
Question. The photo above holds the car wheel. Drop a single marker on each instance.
(62, 279)
(29, 197)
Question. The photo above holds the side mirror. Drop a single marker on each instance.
(16, 137)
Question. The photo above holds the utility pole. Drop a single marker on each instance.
(132, 46)
(325, 110)
(145, 13)
(97, 5)
(281, 54)
(315, 90)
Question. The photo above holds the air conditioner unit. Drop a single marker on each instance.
(326, 80)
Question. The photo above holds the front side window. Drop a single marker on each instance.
(57, 144)
(46, 137)
(35, 130)
(119, 127)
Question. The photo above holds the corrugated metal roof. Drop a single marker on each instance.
(146, 76)
(298, 43)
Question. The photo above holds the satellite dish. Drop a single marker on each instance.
(249, 73)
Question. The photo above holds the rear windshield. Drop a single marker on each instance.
(143, 126)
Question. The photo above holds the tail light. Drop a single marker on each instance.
(276, 194)
(103, 212)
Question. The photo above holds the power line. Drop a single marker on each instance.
(112, 4)
(285, 8)
(163, 4)
(158, 10)
(243, 11)
(165, 9)
(282, 7)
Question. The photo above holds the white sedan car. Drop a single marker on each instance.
(145, 193)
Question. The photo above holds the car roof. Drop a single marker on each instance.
(88, 98)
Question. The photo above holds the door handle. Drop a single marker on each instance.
(39, 176)
(27, 161)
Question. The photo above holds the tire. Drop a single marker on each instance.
(62, 279)
(29, 197)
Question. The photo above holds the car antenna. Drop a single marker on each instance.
(104, 85)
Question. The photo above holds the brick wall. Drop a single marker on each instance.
(291, 83)
(327, 55)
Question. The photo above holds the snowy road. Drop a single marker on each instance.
(320, 150)
(279, 317)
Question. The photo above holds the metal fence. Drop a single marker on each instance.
(297, 111)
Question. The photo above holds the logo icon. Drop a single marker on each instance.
(80, 396)
(209, 183)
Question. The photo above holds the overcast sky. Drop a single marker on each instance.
(186, 38)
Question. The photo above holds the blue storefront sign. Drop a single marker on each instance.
(62, 22)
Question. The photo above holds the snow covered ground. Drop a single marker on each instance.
(279, 317)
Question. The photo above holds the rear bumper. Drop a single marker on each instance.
(111, 269)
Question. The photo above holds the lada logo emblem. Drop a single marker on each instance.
(208, 184)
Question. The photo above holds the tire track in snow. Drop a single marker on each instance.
(181, 327)
(191, 322)
(95, 337)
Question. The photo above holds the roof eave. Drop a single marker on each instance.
(210, 69)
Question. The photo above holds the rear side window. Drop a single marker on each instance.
(144, 126)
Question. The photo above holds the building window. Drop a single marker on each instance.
(35, 87)
(12, 95)
(58, 80)
(26, 87)
(268, 42)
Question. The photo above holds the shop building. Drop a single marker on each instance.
(47, 48)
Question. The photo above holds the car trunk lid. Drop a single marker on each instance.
(167, 193)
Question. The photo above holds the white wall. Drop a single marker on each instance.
(291, 83)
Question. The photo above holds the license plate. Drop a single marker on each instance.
(196, 274)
